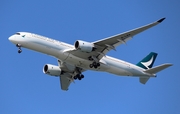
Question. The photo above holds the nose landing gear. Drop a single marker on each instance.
(19, 48)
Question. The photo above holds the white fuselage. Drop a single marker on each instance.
(59, 50)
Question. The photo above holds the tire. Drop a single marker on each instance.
(19, 51)
(98, 64)
(75, 77)
(95, 66)
(79, 78)
(82, 76)
(91, 66)
(94, 63)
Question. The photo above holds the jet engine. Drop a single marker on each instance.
(51, 70)
(84, 46)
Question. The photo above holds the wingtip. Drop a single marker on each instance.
(169, 64)
(161, 20)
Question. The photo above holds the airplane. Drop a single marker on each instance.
(75, 59)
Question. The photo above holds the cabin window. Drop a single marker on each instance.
(17, 33)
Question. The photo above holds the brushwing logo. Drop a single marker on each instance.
(148, 63)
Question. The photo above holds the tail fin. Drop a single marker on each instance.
(148, 61)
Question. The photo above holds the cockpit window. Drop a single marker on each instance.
(17, 33)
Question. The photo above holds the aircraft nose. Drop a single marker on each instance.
(11, 38)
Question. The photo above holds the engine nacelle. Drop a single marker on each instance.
(84, 46)
(52, 70)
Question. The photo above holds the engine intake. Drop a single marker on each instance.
(84, 46)
(52, 70)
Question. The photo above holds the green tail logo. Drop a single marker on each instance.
(148, 61)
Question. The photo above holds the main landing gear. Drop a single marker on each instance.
(19, 48)
(95, 63)
(79, 76)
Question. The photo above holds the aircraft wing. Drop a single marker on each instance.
(65, 81)
(105, 45)
(67, 76)
(111, 42)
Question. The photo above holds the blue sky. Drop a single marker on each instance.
(26, 90)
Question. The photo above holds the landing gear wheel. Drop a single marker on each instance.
(75, 77)
(18, 45)
(95, 66)
(82, 76)
(79, 78)
(19, 51)
(91, 65)
(90, 58)
(94, 63)
(19, 48)
(98, 64)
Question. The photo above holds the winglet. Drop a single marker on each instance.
(161, 20)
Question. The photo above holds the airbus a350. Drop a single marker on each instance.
(75, 59)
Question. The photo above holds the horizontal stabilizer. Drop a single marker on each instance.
(156, 69)
(143, 80)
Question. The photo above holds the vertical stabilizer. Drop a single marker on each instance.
(148, 61)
